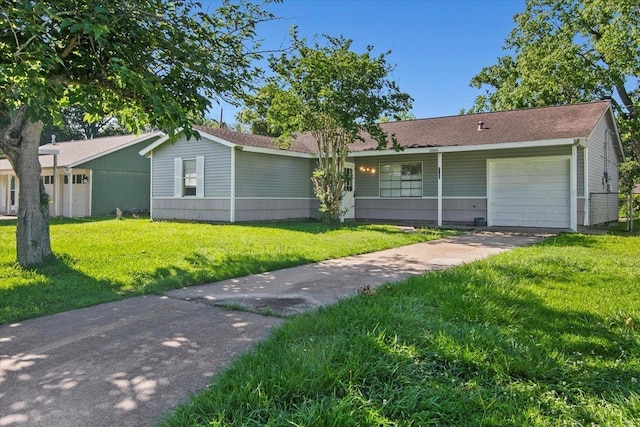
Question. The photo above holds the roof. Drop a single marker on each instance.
(298, 145)
(73, 153)
(527, 125)
(544, 126)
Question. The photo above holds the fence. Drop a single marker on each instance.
(606, 207)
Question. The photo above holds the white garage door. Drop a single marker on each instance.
(529, 192)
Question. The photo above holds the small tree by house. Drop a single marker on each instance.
(333, 93)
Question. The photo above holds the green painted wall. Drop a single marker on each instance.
(120, 180)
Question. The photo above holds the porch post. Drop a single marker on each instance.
(573, 184)
(55, 184)
(232, 195)
(439, 189)
(70, 192)
(585, 168)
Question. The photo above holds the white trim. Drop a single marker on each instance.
(440, 189)
(151, 185)
(70, 192)
(459, 148)
(398, 198)
(276, 198)
(90, 183)
(425, 198)
(585, 196)
(48, 151)
(463, 197)
(573, 188)
(166, 138)
(286, 153)
(572, 202)
(177, 177)
(190, 198)
(200, 177)
(232, 199)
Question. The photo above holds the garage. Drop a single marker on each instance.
(529, 192)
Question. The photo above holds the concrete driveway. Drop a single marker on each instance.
(126, 363)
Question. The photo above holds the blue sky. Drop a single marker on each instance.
(436, 45)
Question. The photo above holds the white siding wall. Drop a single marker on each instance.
(602, 157)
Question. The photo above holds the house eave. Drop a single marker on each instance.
(461, 148)
(273, 151)
(147, 150)
(113, 150)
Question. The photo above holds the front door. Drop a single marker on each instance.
(348, 200)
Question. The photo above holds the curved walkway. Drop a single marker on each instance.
(126, 363)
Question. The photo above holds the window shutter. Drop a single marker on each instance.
(177, 177)
(200, 176)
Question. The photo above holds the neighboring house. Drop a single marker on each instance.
(524, 168)
(88, 177)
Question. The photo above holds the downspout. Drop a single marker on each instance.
(587, 201)
(90, 192)
(232, 199)
(439, 189)
(70, 192)
(151, 185)
(573, 185)
(55, 183)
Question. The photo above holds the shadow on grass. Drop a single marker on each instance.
(53, 287)
(318, 227)
(474, 345)
(59, 285)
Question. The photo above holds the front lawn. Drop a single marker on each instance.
(100, 260)
(540, 336)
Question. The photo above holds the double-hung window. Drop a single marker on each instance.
(401, 179)
(189, 177)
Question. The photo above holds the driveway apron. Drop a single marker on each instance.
(126, 363)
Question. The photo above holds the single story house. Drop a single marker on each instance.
(88, 177)
(523, 168)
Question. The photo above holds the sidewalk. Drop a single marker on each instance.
(126, 363)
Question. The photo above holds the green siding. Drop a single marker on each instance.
(115, 189)
(267, 175)
(464, 174)
(119, 180)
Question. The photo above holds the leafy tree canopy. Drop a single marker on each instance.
(145, 62)
(326, 87)
(334, 94)
(74, 127)
(567, 51)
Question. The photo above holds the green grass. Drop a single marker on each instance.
(538, 336)
(104, 260)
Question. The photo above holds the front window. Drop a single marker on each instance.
(401, 179)
(189, 177)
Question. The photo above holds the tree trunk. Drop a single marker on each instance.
(20, 143)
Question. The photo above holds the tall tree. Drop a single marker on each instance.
(142, 61)
(73, 126)
(336, 95)
(564, 51)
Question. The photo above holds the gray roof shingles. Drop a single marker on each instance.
(526, 125)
